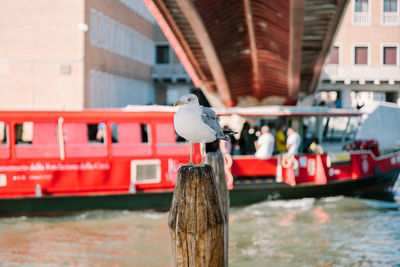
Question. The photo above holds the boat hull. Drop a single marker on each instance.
(240, 195)
(366, 186)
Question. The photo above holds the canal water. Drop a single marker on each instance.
(337, 231)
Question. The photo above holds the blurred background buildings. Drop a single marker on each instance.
(364, 61)
(79, 54)
(85, 54)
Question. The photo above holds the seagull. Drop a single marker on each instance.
(197, 124)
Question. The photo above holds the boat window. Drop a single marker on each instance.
(310, 127)
(144, 131)
(3, 133)
(4, 137)
(96, 132)
(168, 142)
(24, 133)
(130, 139)
(130, 133)
(336, 129)
(114, 132)
(85, 139)
(354, 125)
(165, 133)
(36, 140)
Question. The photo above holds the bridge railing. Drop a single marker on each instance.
(361, 18)
(390, 18)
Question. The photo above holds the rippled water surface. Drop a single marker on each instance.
(334, 231)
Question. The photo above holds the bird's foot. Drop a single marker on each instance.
(189, 164)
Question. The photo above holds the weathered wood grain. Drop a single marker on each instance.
(196, 221)
(216, 160)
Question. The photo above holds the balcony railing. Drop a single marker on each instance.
(169, 71)
(361, 18)
(390, 18)
(341, 73)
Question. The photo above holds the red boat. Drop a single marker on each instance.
(54, 162)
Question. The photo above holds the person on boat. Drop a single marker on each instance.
(315, 148)
(271, 126)
(243, 138)
(101, 132)
(251, 138)
(280, 139)
(265, 144)
(293, 141)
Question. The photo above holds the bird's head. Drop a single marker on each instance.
(189, 100)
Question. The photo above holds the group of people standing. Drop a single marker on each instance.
(267, 143)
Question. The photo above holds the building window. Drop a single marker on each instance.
(100, 30)
(389, 55)
(93, 26)
(361, 55)
(361, 12)
(162, 54)
(109, 34)
(379, 96)
(334, 57)
(390, 14)
(389, 5)
(361, 6)
(139, 8)
(110, 90)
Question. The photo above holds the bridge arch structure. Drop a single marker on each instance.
(251, 52)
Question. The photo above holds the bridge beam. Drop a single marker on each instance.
(178, 42)
(295, 38)
(217, 71)
(253, 49)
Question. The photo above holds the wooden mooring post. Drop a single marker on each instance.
(216, 160)
(197, 221)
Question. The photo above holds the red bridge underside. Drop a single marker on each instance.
(248, 52)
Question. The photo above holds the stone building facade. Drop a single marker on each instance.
(364, 62)
(80, 54)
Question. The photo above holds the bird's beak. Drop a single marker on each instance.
(177, 103)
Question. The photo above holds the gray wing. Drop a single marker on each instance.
(212, 120)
